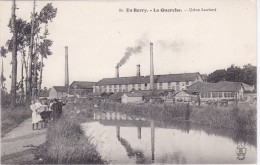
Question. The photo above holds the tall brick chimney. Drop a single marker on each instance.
(66, 67)
(138, 72)
(117, 71)
(151, 67)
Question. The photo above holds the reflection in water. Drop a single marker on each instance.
(137, 140)
(152, 139)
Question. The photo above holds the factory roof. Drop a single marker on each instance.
(183, 77)
(82, 84)
(223, 86)
(60, 88)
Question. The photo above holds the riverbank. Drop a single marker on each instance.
(66, 142)
(234, 117)
(11, 118)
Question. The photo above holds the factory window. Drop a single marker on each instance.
(220, 94)
(214, 94)
(115, 90)
(120, 90)
(202, 95)
(229, 94)
(177, 83)
(169, 85)
(225, 94)
(187, 82)
(209, 95)
(173, 87)
(119, 86)
(126, 86)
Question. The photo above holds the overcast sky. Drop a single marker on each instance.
(98, 35)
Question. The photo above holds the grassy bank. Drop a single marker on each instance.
(155, 111)
(12, 118)
(67, 144)
(242, 118)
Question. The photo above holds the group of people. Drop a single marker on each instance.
(44, 111)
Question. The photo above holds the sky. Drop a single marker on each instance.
(98, 36)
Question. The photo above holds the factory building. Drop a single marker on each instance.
(176, 82)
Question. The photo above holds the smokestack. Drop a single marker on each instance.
(117, 71)
(66, 67)
(138, 74)
(151, 67)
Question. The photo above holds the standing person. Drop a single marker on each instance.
(39, 109)
(34, 119)
(35, 115)
(57, 109)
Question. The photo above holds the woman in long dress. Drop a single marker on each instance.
(35, 116)
(39, 108)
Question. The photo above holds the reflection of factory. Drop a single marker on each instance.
(175, 82)
(122, 120)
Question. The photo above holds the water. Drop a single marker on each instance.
(122, 139)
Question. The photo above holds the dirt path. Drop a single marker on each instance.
(17, 146)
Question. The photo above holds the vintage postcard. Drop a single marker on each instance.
(128, 82)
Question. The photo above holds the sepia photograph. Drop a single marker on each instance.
(128, 81)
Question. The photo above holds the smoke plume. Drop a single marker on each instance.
(175, 46)
(133, 50)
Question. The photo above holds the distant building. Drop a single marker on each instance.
(132, 98)
(58, 92)
(176, 82)
(223, 90)
(116, 97)
(81, 88)
(43, 94)
(184, 96)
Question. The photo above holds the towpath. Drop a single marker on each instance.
(17, 146)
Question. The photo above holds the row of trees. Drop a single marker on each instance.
(247, 74)
(30, 40)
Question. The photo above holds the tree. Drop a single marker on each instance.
(216, 76)
(30, 54)
(23, 36)
(14, 58)
(247, 74)
(45, 16)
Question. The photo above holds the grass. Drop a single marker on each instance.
(240, 118)
(67, 144)
(226, 117)
(155, 111)
(11, 118)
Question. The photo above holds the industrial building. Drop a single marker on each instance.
(176, 82)
(223, 90)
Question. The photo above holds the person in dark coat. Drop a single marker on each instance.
(57, 109)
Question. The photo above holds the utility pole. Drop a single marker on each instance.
(29, 87)
(14, 58)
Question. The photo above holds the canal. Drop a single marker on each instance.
(123, 139)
